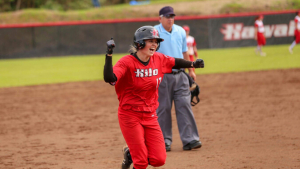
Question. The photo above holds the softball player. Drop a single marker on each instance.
(259, 34)
(136, 78)
(297, 32)
(191, 44)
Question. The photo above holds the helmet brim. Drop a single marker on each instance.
(159, 39)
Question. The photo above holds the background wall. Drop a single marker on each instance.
(81, 38)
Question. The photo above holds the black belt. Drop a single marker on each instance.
(174, 72)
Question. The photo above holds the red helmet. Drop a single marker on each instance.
(259, 16)
(186, 28)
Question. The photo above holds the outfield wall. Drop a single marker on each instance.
(89, 37)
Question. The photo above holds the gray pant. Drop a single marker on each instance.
(176, 87)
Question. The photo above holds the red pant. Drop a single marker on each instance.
(191, 57)
(261, 40)
(144, 138)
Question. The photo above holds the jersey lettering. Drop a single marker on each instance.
(139, 73)
(158, 81)
(155, 72)
(146, 72)
(237, 31)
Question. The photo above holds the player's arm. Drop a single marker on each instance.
(182, 63)
(191, 71)
(186, 57)
(195, 52)
(108, 73)
(195, 49)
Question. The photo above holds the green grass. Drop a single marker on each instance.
(36, 71)
(244, 59)
(232, 7)
(121, 11)
(171, 1)
(118, 11)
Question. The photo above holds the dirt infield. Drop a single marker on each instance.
(245, 120)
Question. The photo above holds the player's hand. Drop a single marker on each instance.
(192, 74)
(199, 63)
(110, 46)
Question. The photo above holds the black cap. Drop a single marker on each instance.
(167, 10)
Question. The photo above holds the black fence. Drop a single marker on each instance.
(89, 38)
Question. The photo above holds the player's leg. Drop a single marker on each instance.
(133, 133)
(165, 98)
(292, 46)
(185, 117)
(261, 40)
(297, 38)
(258, 49)
(154, 140)
(191, 57)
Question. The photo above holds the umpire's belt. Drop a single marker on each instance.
(176, 71)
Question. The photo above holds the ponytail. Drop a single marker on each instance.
(132, 49)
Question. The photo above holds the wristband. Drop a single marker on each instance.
(109, 51)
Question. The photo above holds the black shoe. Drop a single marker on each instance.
(168, 147)
(127, 161)
(192, 145)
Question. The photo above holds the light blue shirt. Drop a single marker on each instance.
(174, 43)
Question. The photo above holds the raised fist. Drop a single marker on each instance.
(110, 46)
(199, 63)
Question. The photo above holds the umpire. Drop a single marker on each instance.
(175, 86)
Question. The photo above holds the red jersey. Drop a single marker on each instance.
(137, 84)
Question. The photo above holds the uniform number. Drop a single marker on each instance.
(158, 80)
